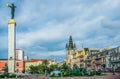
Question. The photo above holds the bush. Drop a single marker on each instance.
(80, 74)
(2, 76)
(93, 72)
(12, 75)
(89, 73)
(98, 72)
(74, 74)
(84, 70)
(67, 73)
(70, 73)
(20, 76)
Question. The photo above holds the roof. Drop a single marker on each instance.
(31, 60)
(36, 60)
(18, 49)
(3, 59)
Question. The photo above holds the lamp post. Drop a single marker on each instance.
(113, 68)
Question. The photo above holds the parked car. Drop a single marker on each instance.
(117, 70)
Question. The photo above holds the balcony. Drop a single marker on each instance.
(97, 58)
(88, 60)
(81, 56)
(74, 57)
(88, 65)
(81, 60)
(98, 63)
(115, 61)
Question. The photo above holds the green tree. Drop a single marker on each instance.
(6, 71)
(41, 68)
(65, 67)
(53, 67)
(75, 68)
(34, 69)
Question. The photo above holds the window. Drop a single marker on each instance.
(17, 64)
(5, 64)
(11, 58)
(17, 70)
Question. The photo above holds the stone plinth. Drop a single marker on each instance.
(11, 45)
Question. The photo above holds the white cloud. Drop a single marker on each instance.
(47, 54)
(88, 21)
(3, 42)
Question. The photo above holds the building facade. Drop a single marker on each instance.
(114, 57)
(86, 57)
(19, 54)
(36, 62)
(19, 65)
(26, 58)
(70, 52)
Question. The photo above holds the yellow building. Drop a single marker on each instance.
(36, 62)
(86, 57)
(61, 63)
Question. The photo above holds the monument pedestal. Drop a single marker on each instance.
(11, 45)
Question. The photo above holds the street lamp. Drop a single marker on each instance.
(113, 68)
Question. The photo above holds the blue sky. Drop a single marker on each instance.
(44, 26)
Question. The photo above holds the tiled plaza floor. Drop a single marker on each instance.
(108, 76)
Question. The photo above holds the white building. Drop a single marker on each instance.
(19, 54)
(25, 57)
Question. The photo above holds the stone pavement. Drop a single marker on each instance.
(108, 76)
(35, 77)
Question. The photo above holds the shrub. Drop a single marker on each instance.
(93, 72)
(12, 75)
(74, 74)
(20, 76)
(84, 70)
(67, 73)
(98, 72)
(2, 76)
(89, 73)
(80, 74)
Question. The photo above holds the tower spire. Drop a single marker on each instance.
(70, 42)
(67, 47)
(74, 46)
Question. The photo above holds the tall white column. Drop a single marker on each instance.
(11, 45)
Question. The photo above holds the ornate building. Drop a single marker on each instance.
(82, 58)
(71, 50)
(114, 59)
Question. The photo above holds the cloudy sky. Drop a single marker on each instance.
(44, 26)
